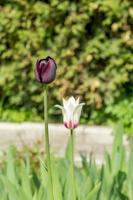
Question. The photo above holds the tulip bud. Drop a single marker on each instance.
(45, 70)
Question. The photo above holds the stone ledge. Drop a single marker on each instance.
(88, 138)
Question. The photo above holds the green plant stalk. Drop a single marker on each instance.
(47, 145)
(72, 163)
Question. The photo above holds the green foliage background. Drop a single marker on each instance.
(92, 43)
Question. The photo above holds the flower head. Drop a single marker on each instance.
(71, 111)
(45, 70)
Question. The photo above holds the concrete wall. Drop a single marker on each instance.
(88, 139)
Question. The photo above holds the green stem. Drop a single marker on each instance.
(72, 163)
(47, 146)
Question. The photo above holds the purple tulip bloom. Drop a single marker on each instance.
(45, 70)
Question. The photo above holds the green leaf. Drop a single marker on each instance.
(55, 178)
(93, 194)
(10, 169)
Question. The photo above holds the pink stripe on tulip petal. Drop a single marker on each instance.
(70, 125)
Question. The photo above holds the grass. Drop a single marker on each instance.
(24, 175)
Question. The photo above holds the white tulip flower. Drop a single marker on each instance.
(71, 111)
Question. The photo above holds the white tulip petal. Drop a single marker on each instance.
(71, 111)
(64, 102)
(62, 109)
(58, 106)
(77, 113)
(72, 100)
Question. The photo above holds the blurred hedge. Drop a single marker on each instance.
(92, 42)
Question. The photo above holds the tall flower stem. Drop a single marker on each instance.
(47, 146)
(72, 164)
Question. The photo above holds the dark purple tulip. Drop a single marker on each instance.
(45, 70)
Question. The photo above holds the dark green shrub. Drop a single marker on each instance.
(92, 42)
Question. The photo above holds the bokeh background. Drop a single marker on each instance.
(92, 43)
